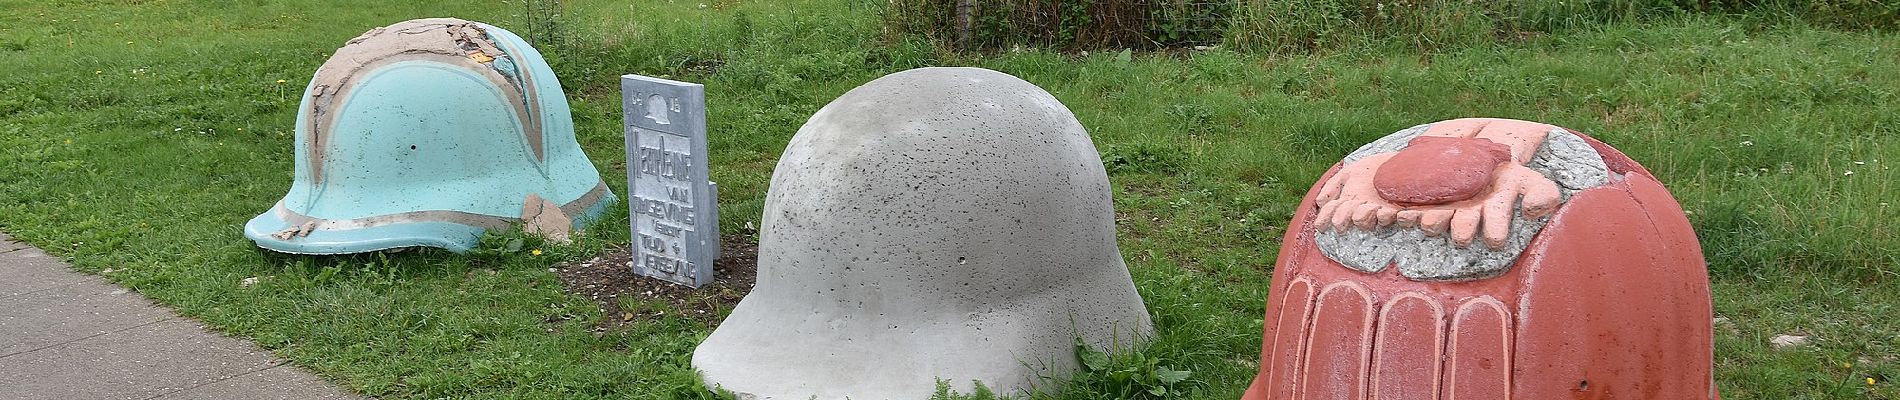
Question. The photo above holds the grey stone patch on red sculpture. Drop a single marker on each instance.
(1563, 157)
(934, 224)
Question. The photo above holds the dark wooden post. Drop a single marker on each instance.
(966, 22)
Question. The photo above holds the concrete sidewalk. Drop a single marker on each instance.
(66, 336)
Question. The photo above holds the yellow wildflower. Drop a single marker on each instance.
(538, 252)
(280, 81)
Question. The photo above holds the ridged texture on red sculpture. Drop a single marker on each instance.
(1340, 344)
(1411, 336)
(1479, 356)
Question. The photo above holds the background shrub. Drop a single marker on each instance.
(1300, 25)
(1063, 24)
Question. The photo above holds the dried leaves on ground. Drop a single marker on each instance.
(626, 298)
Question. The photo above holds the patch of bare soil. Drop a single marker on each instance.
(626, 298)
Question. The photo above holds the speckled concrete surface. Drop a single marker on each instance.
(937, 223)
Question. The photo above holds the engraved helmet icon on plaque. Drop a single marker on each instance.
(673, 213)
(657, 110)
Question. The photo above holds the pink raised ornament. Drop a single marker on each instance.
(1438, 170)
(1590, 283)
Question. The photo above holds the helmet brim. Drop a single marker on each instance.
(267, 228)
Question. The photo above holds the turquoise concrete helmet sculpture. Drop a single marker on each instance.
(427, 133)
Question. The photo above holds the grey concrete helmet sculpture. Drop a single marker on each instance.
(934, 224)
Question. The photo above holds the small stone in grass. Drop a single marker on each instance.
(1782, 342)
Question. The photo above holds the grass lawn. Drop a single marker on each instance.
(136, 138)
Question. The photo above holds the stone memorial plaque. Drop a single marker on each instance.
(674, 213)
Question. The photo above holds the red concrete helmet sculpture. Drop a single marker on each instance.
(1488, 259)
